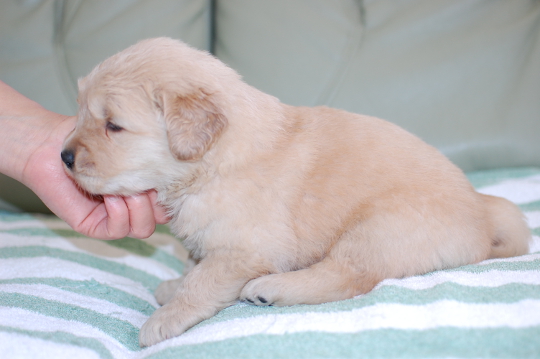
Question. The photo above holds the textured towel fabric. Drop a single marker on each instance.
(66, 296)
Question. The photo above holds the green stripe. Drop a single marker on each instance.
(6, 216)
(143, 249)
(124, 332)
(532, 206)
(64, 338)
(163, 229)
(135, 246)
(30, 231)
(18, 217)
(123, 270)
(509, 293)
(518, 266)
(490, 177)
(385, 343)
(132, 245)
(90, 288)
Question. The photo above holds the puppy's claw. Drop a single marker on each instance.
(259, 301)
(262, 300)
(261, 292)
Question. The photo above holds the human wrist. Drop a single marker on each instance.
(18, 140)
(52, 129)
(26, 126)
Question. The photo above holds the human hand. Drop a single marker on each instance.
(30, 144)
(109, 217)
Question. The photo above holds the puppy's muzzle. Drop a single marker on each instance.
(68, 157)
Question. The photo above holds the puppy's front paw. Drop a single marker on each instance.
(167, 322)
(263, 291)
(165, 290)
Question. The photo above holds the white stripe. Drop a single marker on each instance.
(439, 314)
(15, 346)
(524, 259)
(117, 255)
(533, 218)
(27, 320)
(46, 267)
(98, 305)
(535, 244)
(519, 191)
(20, 224)
(493, 278)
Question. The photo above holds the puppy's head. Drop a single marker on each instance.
(143, 113)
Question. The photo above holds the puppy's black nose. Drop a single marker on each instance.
(68, 157)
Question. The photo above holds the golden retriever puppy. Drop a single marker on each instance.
(278, 204)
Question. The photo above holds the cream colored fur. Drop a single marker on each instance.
(279, 205)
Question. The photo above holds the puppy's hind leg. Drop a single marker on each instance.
(325, 281)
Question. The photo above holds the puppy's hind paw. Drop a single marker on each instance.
(262, 291)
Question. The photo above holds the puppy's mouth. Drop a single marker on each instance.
(124, 185)
(97, 186)
(93, 185)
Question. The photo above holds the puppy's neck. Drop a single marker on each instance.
(189, 182)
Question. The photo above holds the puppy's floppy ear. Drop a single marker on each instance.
(194, 123)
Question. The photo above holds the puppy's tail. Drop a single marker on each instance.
(510, 233)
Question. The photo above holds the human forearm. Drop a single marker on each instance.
(24, 125)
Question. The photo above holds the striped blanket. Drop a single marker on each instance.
(66, 296)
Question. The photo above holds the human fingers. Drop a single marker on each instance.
(161, 214)
(108, 219)
(116, 225)
(141, 215)
(117, 217)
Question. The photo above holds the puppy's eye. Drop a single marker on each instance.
(112, 127)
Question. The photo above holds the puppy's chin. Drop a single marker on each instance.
(117, 186)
